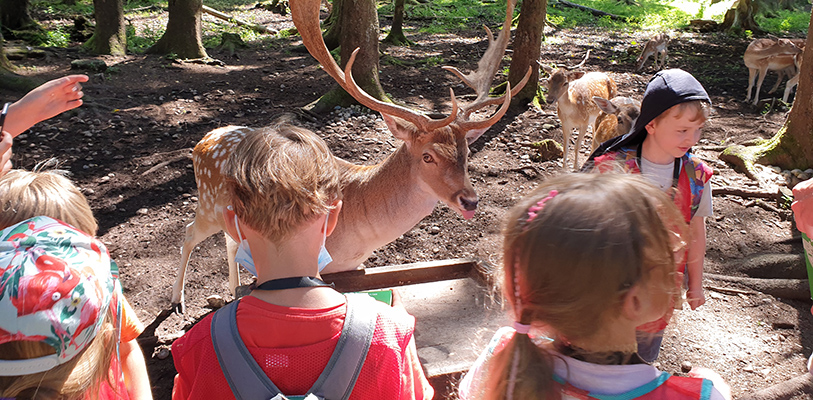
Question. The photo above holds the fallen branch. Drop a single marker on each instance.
(745, 193)
(592, 10)
(728, 290)
(227, 17)
(802, 384)
(797, 289)
(177, 157)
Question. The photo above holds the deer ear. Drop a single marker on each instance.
(575, 75)
(399, 127)
(474, 134)
(605, 105)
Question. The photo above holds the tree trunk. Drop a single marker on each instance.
(741, 17)
(527, 47)
(8, 79)
(396, 35)
(110, 36)
(183, 34)
(333, 26)
(362, 16)
(5, 65)
(14, 15)
(792, 146)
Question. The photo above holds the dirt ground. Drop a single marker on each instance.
(128, 150)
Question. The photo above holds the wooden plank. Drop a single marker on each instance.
(405, 274)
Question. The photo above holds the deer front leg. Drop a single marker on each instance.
(567, 131)
(664, 54)
(579, 140)
(196, 231)
(762, 73)
(751, 78)
(234, 271)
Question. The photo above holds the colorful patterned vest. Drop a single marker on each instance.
(692, 178)
(664, 387)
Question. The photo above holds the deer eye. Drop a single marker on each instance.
(427, 158)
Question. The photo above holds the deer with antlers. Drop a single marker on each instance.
(767, 54)
(382, 201)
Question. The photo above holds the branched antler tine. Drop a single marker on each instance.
(305, 14)
(514, 91)
(506, 102)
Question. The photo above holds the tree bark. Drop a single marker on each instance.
(741, 17)
(792, 146)
(527, 48)
(14, 15)
(362, 16)
(396, 35)
(183, 34)
(110, 36)
(333, 26)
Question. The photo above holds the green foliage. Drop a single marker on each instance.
(57, 37)
(450, 15)
(784, 21)
(139, 43)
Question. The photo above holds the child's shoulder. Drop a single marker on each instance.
(702, 170)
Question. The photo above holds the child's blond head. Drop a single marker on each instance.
(572, 251)
(27, 194)
(280, 177)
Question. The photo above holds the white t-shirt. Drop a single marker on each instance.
(601, 379)
(661, 175)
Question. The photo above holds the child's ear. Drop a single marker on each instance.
(633, 306)
(650, 127)
(333, 217)
(228, 218)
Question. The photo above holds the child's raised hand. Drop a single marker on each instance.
(695, 297)
(48, 100)
(803, 206)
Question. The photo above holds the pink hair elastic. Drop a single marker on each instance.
(521, 328)
(534, 210)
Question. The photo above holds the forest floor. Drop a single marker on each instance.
(128, 148)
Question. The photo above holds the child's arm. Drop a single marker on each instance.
(135, 371)
(48, 100)
(697, 252)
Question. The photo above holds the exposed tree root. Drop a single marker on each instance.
(797, 289)
(784, 390)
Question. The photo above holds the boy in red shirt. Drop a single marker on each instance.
(285, 200)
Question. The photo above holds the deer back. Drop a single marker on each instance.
(770, 50)
(616, 118)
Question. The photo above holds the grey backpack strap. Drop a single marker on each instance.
(339, 376)
(246, 379)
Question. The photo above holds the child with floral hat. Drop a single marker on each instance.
(59, 313)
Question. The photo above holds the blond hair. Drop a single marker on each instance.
(280, 177)
(702, 110)
(27, 194)
(569, 261)
(72, 380)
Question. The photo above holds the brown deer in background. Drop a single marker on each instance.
(795, 80)
(616, 118)
(381, 201)
(654, 47)
(767, 54)
(573, 92)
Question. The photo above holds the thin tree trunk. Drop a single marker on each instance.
(110, 36)
(183, 34)
(396, 35)
(333, 26)
(527, 48)
(741, 17)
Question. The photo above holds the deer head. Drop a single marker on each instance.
(441, 145)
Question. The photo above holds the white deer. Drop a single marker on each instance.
(381, 201)
(573, 91)
(654, 47)
(767, 54)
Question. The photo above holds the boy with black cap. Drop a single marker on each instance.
(673, 111)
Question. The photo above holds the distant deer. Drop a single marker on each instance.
(381, 201)
(654, 47)
(574, 91)
(767, 54)
(616, 118)
(795, 80)
(790, 71)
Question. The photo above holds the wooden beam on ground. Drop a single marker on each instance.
(593, 11)
(406, 274)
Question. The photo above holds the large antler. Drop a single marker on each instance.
(305, 14)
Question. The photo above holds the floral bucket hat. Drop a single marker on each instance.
(56, 286)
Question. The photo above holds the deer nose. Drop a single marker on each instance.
(468, 205)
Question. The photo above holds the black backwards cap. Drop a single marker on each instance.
(665, 90)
